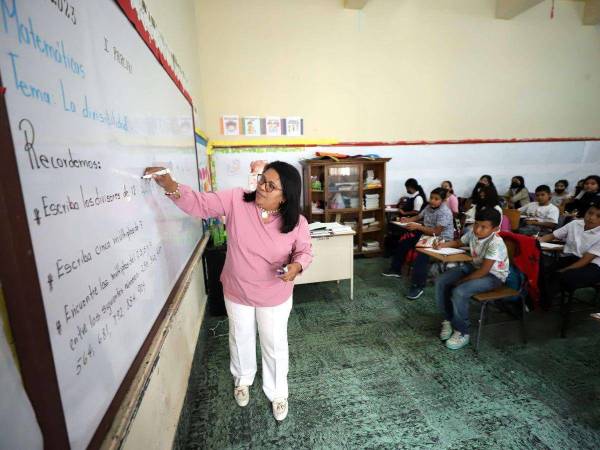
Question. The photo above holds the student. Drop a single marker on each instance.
(579, 264)
(579, 189)
(484, 180)
(438, 222)
(488, 198)
(451, 199)
(415, 201)
(591, 196)
(560, 194)
(518, 195)
(488, 271)
(541, 216)
(437, 219)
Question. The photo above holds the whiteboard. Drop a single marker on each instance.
(430, 164)
(90, 107)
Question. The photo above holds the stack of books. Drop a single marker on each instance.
(370, 246)
(367, 221)
(371, 201)
(371, 225)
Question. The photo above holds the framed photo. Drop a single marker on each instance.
(273, 126)
(230, 125)
(293, 126)
(251, 126)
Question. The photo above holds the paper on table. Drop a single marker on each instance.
(400, 224)
(549, 245)
(446, 251)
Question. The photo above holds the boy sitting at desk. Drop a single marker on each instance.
(541, 216)
(437, 221)
(489, 270)
(579, 264)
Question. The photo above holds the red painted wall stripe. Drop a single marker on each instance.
(408, 143)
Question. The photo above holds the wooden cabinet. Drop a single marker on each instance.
(352, 192)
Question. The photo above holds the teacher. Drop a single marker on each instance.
(266, 234)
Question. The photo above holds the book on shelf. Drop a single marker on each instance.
(371, 244)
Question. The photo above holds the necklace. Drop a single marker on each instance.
(264, 213)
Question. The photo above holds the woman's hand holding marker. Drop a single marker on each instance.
(162, 176)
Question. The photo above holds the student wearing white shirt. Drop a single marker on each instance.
(415, 201)
(540, 216)
(579, 265)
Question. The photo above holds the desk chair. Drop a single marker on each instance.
(514, 215)
(515, 289)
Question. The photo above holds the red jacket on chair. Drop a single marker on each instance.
(527, 260)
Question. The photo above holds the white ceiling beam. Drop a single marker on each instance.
(355, 4)
(507, 9)
(591, 12)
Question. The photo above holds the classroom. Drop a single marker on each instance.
(320, 224)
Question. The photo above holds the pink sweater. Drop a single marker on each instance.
(255, 250)
(452, 202)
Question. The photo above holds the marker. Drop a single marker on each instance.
(159, 172)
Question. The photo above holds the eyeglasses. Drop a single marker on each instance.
(269, 185)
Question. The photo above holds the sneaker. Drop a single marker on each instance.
(446, 330)
(457, 340)
(414, 293)
(280, 409)
(391, 273)
(242, 395)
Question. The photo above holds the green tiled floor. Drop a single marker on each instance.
(371, 373)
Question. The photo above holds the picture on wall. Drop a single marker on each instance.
(230, 125)
(273, 126)
(293, 126)
(251, 126)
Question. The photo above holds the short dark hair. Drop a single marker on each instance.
(543, 188)
(291, 185)
(441, 192)
(489, 214)
(565, 182)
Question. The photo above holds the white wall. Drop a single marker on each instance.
(463, 164)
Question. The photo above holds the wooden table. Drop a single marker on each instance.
(445, 259)
(333, 259)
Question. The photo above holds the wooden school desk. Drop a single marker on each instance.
(333, 259)
(445, 259)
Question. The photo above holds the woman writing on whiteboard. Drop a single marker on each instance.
(268, 246)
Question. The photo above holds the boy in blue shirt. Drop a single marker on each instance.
(488, 271)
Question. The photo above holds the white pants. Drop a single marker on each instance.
(272, 330)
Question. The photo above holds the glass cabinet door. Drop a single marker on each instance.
(343, 187)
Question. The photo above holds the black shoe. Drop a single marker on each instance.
(414, 293)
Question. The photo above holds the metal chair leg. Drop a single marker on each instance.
(565, 307)
(523, 312)
(479, 331)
